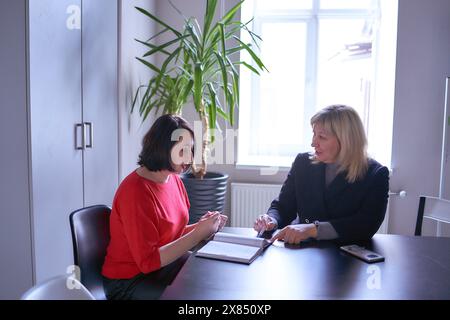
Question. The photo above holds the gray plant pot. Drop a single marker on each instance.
(205, 195)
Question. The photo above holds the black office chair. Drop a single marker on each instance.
(434, 209)
(90, 238)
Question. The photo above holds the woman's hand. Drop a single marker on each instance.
(264, 223)
(223, 221)
(223, 218)
(296, 233)
(208, 224)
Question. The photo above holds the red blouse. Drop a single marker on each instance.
(145, 216)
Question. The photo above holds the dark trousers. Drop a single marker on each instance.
(148, 286)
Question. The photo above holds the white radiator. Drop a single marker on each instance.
(248, 201)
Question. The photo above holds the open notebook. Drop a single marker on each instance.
(233, 247)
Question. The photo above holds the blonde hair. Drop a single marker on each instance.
(344, 122)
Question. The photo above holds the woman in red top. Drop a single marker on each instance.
(148, 223)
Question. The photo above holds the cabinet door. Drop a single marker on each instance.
(55, 108)
(15, 245)
(99, 39)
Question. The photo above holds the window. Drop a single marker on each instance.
(318, 52)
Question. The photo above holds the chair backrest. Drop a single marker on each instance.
(435, 209)
(61, 287)
(90, 238)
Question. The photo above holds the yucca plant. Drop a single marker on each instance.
(200, 65)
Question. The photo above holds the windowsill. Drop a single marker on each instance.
(241, 166)
(253, 162)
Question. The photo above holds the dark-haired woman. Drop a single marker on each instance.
(148, 223)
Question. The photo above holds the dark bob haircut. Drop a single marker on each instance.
(157, 143)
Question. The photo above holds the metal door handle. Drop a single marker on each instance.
(91, 134)
(77, 147)
(401, 193)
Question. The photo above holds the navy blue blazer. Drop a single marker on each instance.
(355, 210)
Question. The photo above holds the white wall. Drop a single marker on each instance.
(423, 62)
(15, 223)
(132, 25)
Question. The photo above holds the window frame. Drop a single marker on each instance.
(311, 18)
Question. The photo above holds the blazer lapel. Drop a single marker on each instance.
(336, 186)
(318, 178)
(317, 190)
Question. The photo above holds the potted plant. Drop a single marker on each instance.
(198, 64)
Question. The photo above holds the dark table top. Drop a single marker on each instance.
(414, 268)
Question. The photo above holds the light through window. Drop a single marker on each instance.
(318, 52)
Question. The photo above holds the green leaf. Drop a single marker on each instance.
(223, 114)
(231, 104)
(162, 74)
(196, 38)
(150, 65)
(148, 14)
(222, 40)
(223, 69)
(248, 66)
(148, 96)
(230, 14)
(198, 87)
(186, 90)
(212, 39)
(209, 16)
(165, 45)
(236, 93)
(148, 109)
(223, 63)
(231, 65)
(157, 34)
(145, 104)
(151, 46)
(252, 54)
(234, 50)
(212, 107)
(135, 97)
(226, 19)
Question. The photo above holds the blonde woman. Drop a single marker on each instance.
(335, 193)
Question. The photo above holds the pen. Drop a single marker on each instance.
(260, 233)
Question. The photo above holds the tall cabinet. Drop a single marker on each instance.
(62, 118)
